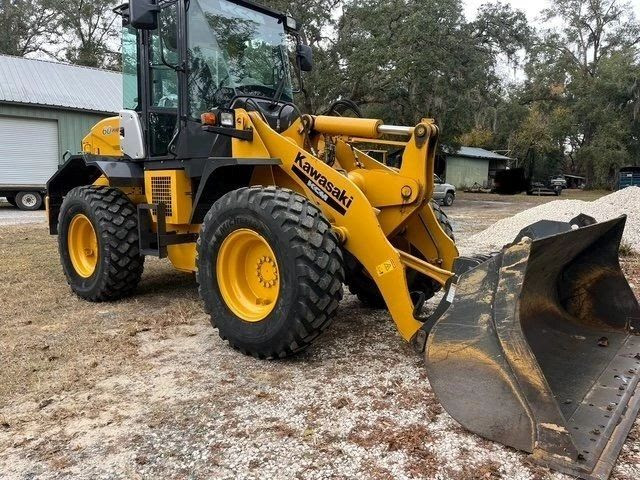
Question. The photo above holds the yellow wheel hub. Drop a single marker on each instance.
(82, 243)
(247, 274)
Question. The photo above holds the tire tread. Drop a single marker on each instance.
(118, 224)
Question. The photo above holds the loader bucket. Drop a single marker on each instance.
(539, 351)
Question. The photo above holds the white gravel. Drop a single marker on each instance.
(10, 215)
(622, 202)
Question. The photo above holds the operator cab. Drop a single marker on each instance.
(182, 59)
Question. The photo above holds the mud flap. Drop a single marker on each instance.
(539, 348)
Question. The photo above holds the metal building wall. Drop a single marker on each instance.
(72, 125)
(464, 172)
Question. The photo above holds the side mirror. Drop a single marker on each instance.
(305, 57)
(143, 14)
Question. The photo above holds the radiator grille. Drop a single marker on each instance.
(161, 193)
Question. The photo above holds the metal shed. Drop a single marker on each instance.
(470, 165)
(46, 108)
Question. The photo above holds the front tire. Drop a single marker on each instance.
(98, 243)
(270, 271)
(448, 199)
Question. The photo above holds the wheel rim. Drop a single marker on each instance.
(82, 243)
(29, 200)
(247, 274)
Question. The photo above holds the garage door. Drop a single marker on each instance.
(28, 150)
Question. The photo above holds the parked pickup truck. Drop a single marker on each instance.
(559, 181)
(443, 192)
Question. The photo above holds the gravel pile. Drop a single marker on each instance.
(626, 201)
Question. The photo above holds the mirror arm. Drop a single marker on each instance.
(299, 73)
(120, 9)
(298, 70)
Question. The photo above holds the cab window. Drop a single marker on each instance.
(163, 53)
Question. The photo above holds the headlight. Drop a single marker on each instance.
(291, 23)
(227, 119)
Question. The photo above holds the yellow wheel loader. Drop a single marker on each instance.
(211, 165)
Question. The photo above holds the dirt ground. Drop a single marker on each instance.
(145, 388)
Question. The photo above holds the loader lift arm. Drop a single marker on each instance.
(364, 234)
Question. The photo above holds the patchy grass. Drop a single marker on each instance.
(411, 439)
(55, 341)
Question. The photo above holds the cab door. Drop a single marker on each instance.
(163, 93)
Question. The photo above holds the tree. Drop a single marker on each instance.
(27, 26)
(592, 30)
(577, 110)
(477, 137)
(90, 33)
(501, 30)
(588, 69)
(406, 59)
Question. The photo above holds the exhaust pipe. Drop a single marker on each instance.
(540, 348)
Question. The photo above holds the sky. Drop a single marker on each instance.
(531, 8)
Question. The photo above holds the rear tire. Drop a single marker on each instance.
(362, 285)
(29, 200)
(308, 271)
(118, 265)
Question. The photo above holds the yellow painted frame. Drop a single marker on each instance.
(104, 138)
(180, 194)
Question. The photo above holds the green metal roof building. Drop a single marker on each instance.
(470, 165)
(46, 108)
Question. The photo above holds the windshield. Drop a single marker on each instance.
(233, 51)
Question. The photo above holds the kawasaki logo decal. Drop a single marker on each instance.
(324, 189)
